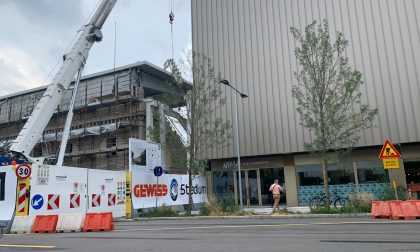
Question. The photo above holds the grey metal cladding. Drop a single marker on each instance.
(250, 44)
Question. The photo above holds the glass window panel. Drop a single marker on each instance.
(371, 172)
(223, 186)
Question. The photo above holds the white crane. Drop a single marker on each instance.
(73, 62)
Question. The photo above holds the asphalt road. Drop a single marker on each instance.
(292, 234)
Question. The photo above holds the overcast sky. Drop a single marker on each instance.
(36, 33)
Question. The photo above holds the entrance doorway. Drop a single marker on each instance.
(256, 184)
(267, 177)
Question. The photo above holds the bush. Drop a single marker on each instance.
(163, 211)
(389, 194)
(358, 203)
(221, 207)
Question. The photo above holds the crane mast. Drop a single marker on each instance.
(72, 62)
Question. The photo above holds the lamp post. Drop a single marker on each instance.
(226, 82)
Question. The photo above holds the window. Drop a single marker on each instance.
(310, 175)
(223, 186)
(111, 142)
(69, 148)
(371, 172)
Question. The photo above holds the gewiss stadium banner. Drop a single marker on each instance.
(168, 189)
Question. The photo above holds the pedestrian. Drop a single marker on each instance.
(276, 189)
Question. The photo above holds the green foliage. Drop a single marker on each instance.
(221, 208)
(163, 211)
(389, 194)
(328, 95)
(328, 91)
(203, 127)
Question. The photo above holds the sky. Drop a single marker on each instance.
(36, 33)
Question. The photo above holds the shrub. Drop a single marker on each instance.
(221, 207)
(389, 194)
(163, 211)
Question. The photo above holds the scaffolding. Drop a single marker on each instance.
(109, 109)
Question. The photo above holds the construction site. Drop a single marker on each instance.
(110, 107)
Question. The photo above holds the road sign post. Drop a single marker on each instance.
(158, 171)
(390, 157)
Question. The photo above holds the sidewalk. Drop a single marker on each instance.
(269, 210)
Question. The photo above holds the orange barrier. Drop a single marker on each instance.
(380, 209)
(409, 210)
(396, 210)
(45, 224)
(95, 222)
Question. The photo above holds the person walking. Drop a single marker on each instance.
(276, 189)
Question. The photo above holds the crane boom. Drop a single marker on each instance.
(72, 61)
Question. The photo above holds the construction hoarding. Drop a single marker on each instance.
(8, 184)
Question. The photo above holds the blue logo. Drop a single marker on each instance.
(174, 189)
(37, 202)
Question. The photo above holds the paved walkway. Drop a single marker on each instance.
(269, 210)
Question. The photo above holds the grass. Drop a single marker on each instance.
(222, 208)
(163, 211)
(358, 203)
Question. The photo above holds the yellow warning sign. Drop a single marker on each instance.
(389, 151)
(391, 163)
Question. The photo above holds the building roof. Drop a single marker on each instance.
(144, 66)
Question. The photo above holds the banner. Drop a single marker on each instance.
(144, 156)
(168, 189)
(8, 183)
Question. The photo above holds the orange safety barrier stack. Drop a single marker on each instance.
(45, 224)
(416, 204)
(95, 222)
(380, 209)
(396, 210)
(409, 210)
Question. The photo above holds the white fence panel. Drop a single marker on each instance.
(58, 190)
(106, 192)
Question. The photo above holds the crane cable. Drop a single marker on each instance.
(171, 21)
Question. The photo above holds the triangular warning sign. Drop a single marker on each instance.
(389, 151)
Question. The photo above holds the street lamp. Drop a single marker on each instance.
(226, 82)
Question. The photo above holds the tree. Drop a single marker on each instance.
(203, 127)
(328, 95)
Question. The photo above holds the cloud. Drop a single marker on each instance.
(35, 34)
(18, 71)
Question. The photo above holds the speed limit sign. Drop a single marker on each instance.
(23, 171)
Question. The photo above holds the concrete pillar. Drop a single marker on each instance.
(291, 186)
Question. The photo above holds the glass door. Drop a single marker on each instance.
(252, 188)
(267, 177)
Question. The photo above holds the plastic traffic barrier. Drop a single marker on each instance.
(409, 210)
(95, 222)
(22, 224)
(380, 209)
(45, 224)
(396, 211)
(70, 222)
(417, 204)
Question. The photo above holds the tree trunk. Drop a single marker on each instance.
(326, 185)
